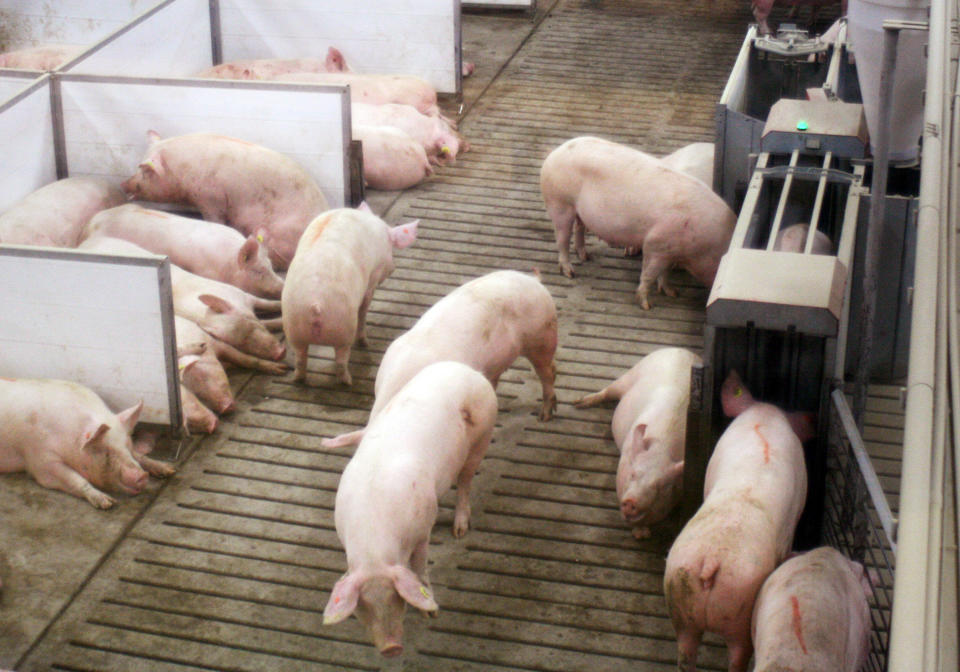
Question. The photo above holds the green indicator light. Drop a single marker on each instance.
(802, 126)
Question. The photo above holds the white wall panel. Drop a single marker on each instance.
(74, 316)
(410, 37)
(174, 40)
(29, 23)
(11, 85)
(106, 122)
(513, 4)
(26, 136)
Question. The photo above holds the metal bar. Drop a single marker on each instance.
(749, 203)
(887, 519)
(832, 82)
(59, 133)
(878, 195)
(782, 205)
(216, 33)
(818, 204)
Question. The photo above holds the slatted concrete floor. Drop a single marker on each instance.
(231, 566)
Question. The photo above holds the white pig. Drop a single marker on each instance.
(391, 159)
(63, 434)
(342, 257)
(375, 89)
(794, 239)
(439, 139)
(649, 427)
(189, 331)
(222, 310)
(630, 199)
(196, 416)
(43, 57)
(54, 215)
(433, 433)
(209, 249)
(754, 491)
(270, 68)
(812, 615)
(486, 323)
(205, 376)
(247, 186)
(695, 159)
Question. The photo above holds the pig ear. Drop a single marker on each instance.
(343, 599)
(187, 362)
(335, 61)
(403, 235)
(412, 590)
(154, 164)
(248, 251)
(804, 425)
(676, 470)
(215, 303)
(93, 433)
(638, 439)
(364, 207)
(129, 417)
(153, 137)
(734, 396)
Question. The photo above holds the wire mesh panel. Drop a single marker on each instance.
(858, 522)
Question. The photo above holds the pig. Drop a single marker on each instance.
(209, 249)
(196, 416)
(375, 89)
(812, 615)
(43, 57)
(54, 215)
(467, 68)
(630, 199)
(63, 434)
(234, 182)
(762, 8)
(695, 160)
(486, 323)
(222, 310)
(437, 137)
(794, 239)
(649, 428)
(391, 159)
(270, 68)
(188, 330)
(205, 376)
(754, 491)
(435, 431)
(342, 257)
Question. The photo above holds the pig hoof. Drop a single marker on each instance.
(643, 301)
(546, 412)
(430, 614)
(103, 501)
(567, 270)
(631, 251)
(641, 532)
(345, 378)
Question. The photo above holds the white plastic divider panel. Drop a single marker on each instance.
(26, 136)
(63, 22)
(13, 82)
(503, 4)
(105, 322)
(404, 37)
(174, 39)
(106, 119)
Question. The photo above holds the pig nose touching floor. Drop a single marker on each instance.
(229, 564)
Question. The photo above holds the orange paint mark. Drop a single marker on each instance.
(155, 213)
(336, 600)
(9, 380)
(798, 623)
(766, 444)
(317, 227)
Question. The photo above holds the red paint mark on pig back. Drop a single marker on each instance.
(798, 623)
(766, 444)
(317, 228)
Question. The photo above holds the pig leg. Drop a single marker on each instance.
(155, 467)
(266, 305)
(461, 517)
(654, 265)
(362, 319)
(738, 655)
(273, 324)
(688, 641)
(341, 357)
(418, 564)
(300, 368)
(59, 476)
(228, 353)
(542, 360)
(579, 240)
(665, 287)
(564, 217)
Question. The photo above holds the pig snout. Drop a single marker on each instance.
(133, 479)
(391, 649)
(229, 406)
(631, 509)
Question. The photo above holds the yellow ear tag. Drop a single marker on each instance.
(259, 238)
(152, 165)
(737, 392)
(182, 367)
(423, 591)
(444, 150)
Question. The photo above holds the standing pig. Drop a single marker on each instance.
(649, 427)
(695, 159)
(54, 215)
(231, 181)
(438, 138)
(342, 257)
(271, 68)
(754, 491)
(391, 158)
(434, 432)
(812, 615)
(794, 239)
(486, 323)
(63, 434)
(630, 199)
(206, 248)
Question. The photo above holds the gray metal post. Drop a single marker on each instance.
(878, 193)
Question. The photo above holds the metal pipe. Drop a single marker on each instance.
(878, 196)
(911, 594)
(782, 204)
(818, 204)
